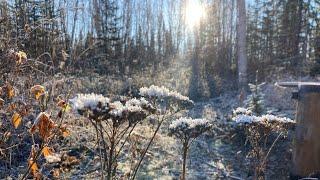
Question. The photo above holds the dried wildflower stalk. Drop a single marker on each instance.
(187, 130)
(113, 122)
(258, 129)
(169, 103)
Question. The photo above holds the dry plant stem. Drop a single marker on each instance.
(34, 161)
(145, 151)
(102, 161)
(111, 152)
(121, 134)
(185, 152)
(105, 147)
(122, 145)
(273, 144)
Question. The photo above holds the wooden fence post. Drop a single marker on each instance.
(306, 152)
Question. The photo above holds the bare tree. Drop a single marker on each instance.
(242, 52)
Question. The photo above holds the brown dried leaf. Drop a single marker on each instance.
(65, 106)
(1, 103)
(55, 173)
(46, 151)
(37, 91)
(21, 57)
(16, 120)
(65, 132)
(44, 124)
(61, 103)
(70, 161)
(11, 107)
(33, 167)
(9, 90)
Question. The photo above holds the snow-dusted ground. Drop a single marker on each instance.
(220, 154)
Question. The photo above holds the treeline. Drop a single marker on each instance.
(122, 37)
(111, 36)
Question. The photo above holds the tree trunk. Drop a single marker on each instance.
(242, 52)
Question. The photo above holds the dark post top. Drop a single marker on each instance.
(304, 87)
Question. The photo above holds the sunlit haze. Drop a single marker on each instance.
(195, 11)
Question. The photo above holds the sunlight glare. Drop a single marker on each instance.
(194, 13)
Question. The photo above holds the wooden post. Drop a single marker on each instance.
(306, 153)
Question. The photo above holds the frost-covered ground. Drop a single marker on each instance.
(220, 154)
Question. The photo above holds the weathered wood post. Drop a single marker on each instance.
(306, 152)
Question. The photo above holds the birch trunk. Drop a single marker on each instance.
(242, 52)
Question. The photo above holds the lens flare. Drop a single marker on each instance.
(195, 11)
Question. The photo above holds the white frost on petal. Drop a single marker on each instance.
(243, 119)
(117, 109)
(53, 158)
(187, 122)
(162, 92)
(241, 110)
(273, 118)
(90, 101)
(247, 119)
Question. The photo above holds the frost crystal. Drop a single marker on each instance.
(132, 105)
(54, 158)
(243, 111)
(98, 107)
(273, 118)
(162, 92)
(89, 101)
(247, 119)
(117, 109)
(243, 119)
(188, 127)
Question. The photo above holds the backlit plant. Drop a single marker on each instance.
(113, 121)
(187, 130)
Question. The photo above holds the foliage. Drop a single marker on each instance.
(255, 101)
(20, 106)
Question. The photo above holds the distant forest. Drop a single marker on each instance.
(128, 36)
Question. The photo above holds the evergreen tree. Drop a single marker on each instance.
(255, 101)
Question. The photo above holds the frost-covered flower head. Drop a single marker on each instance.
(242, 111)
(162, 92)
(249, 119)
(186, 127)
(273, 118)
(133, 110)
(89, 101)
(98, 107)
(117, 109)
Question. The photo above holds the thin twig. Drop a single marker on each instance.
(148, 146)
(273, 144)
